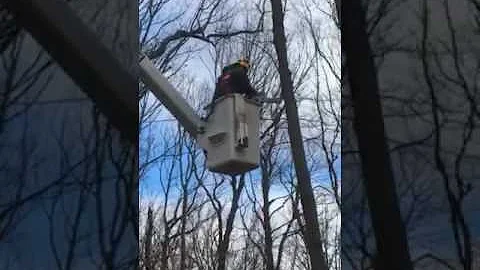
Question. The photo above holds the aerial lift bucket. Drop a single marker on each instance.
(231, 136)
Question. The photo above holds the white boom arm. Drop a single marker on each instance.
(170, 97)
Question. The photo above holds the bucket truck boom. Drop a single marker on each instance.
(170, 98)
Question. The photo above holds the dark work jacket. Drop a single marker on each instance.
(234, 79)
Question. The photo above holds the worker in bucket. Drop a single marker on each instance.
(233, 80)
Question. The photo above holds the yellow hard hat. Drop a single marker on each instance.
(244, 63)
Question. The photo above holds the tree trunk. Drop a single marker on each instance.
(391, 240)
(312, 229)
(183, 249)
(225, 239)
(165, 247)
(267, 226)
(148, 261)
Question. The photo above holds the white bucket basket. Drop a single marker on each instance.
(233, 118)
